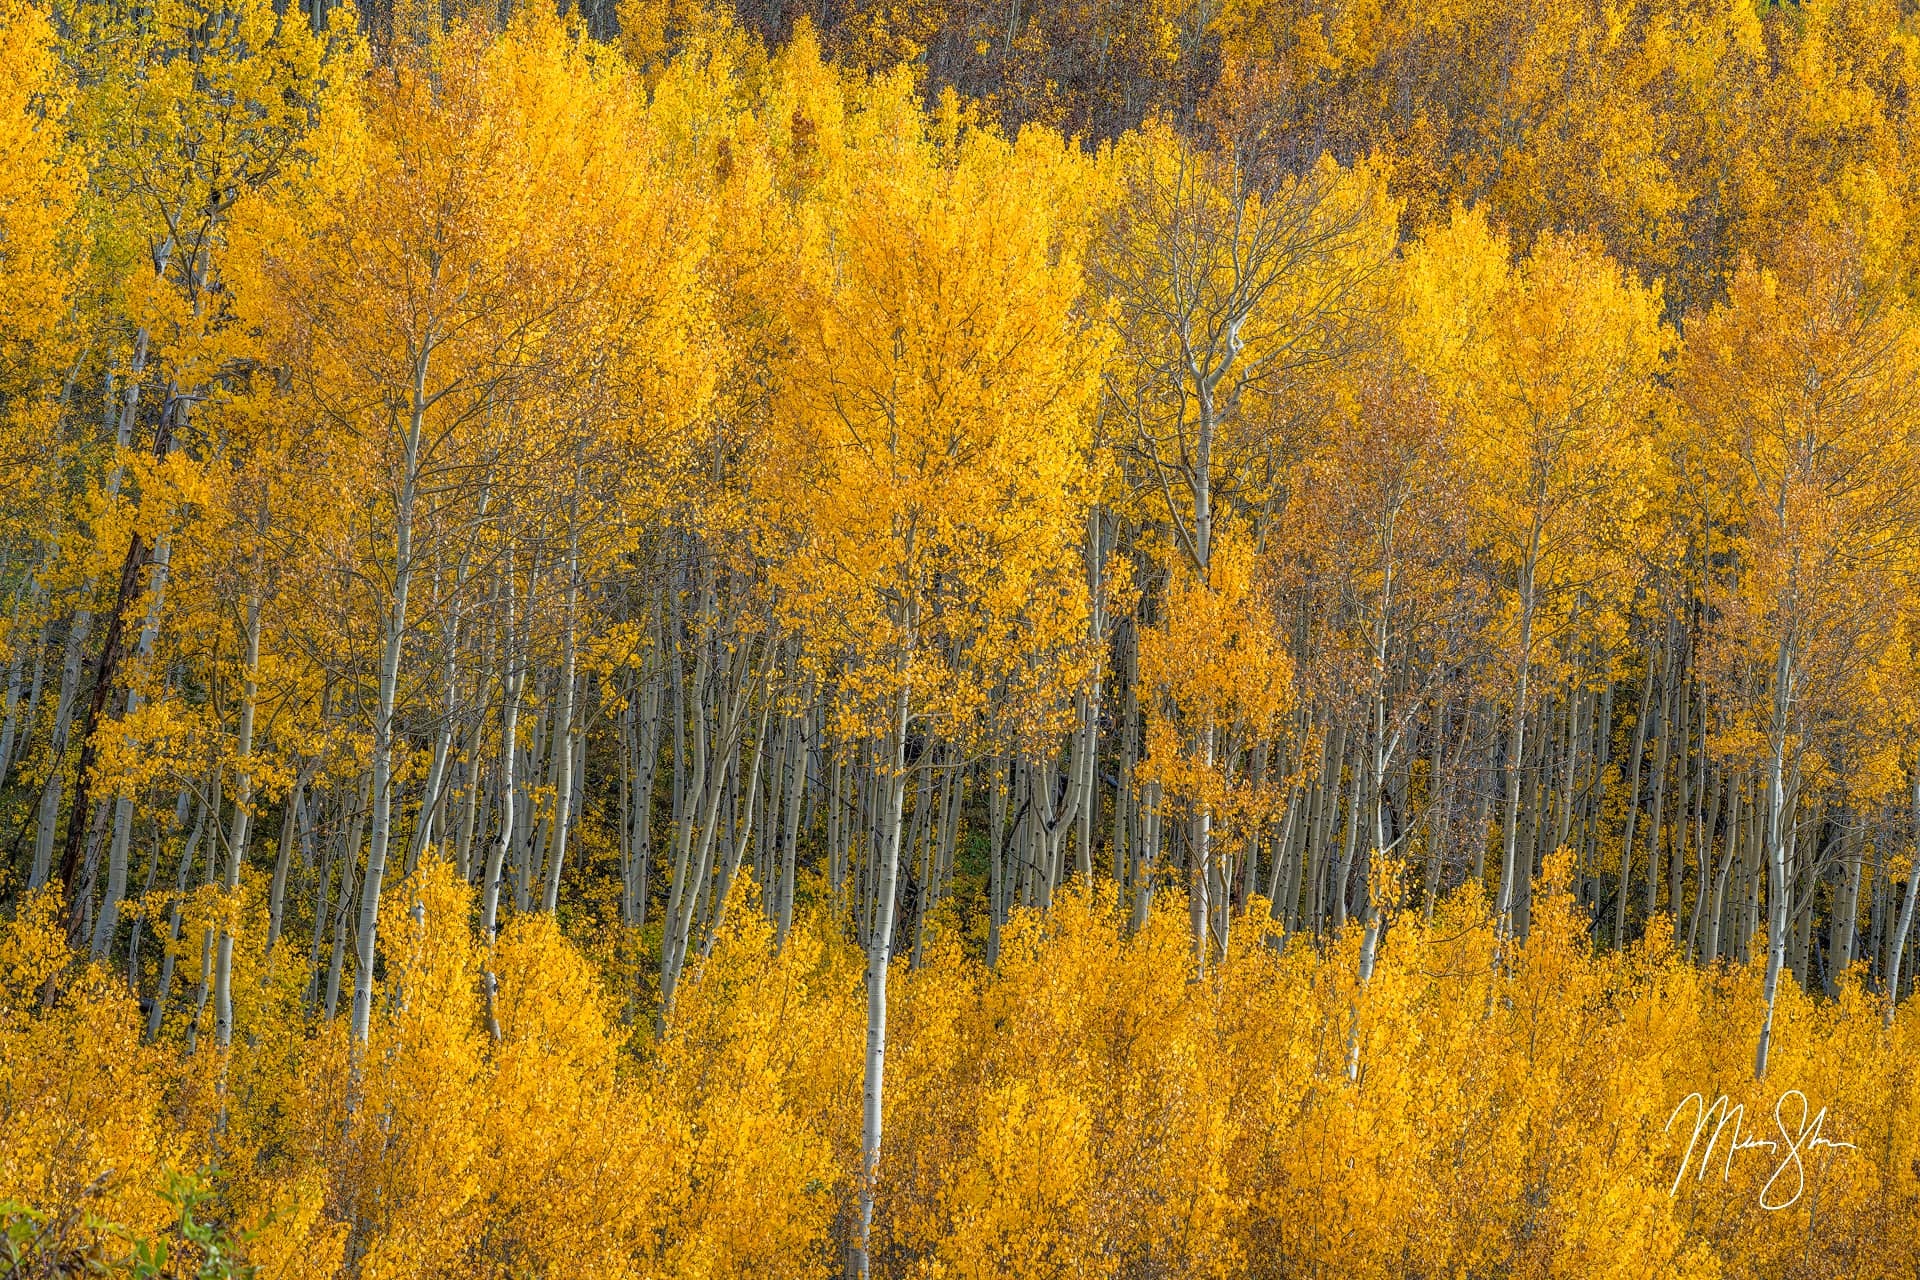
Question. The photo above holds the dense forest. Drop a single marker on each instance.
(896, 638)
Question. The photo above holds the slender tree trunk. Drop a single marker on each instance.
(1777, 885)
(1202, 862)
(790, 837)
(109, 922)
(1517, 745)
(242, 808)
(156, 1012)
(282, 863)
(106, 666)
(50, 793)
(497, 850)
(1632, 781)
(10, 722)
(393, 647)
(564, 731)
(1900, 930)
(1655, 818)
(879, 954)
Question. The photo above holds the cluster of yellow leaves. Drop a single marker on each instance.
(1679, 135)
(1083, 1109)
(1224, 682)
(38, 195)
(930, 449)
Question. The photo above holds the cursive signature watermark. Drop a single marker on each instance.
(1802, 1138)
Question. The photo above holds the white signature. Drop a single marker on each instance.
(1804, 1137)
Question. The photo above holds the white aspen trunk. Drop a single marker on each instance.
(204, 986)
(1517, 743)
(999, 802)
(50, 793)
(1898, 945)
(564, 731)
(109, 920)
(627, 752)
(470, 793)
(1125, 835)
(920, 848)
(703, 835)
(1705, 816)
(695, 765)
(955, 792)
(393, 644)
(527, 778)
(1632, 781)
(1055, 826)
(741, 837)
(766, 854)
(1439, 802)
(322, 883)
(1662, 755)
(790, 837)
(1362, 785)
(82, 625)
(1086, 794)
(1717, 917)
(677, 668)
(1323, 797)
(679, 889)
(1200, 856)
(645, 768)
(1777, 885)
(10, 730)
(1370, 940)
(711, 773)
(1570, 767)
(35, 686)
(343, 904)
(282, 862)
(242, 815)
(16, 662)
(1846, 911)
(1677, 862)
(1151, 816)
(879, 954)
(1202, 863)
(497, 849)
(156, 1013)
(423, 830)
(543, 767)
(1278, 874)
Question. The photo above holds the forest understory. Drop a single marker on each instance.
(914, 640)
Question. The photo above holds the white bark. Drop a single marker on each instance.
(1900, 930)
(564, 730)
(510, 683)
(393, 637)
(1778, 896)
(879, 954)
(242, 820)
(108, 922)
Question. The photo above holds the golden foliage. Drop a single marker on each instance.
(1085, 1108)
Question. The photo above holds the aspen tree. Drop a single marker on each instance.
(1804, 382)
(415, 298)
(200, 110)
(1220, 294)
(930, 447)
(1551, 366)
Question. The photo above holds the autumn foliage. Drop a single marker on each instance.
(897, 639)
(1082, 1108)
